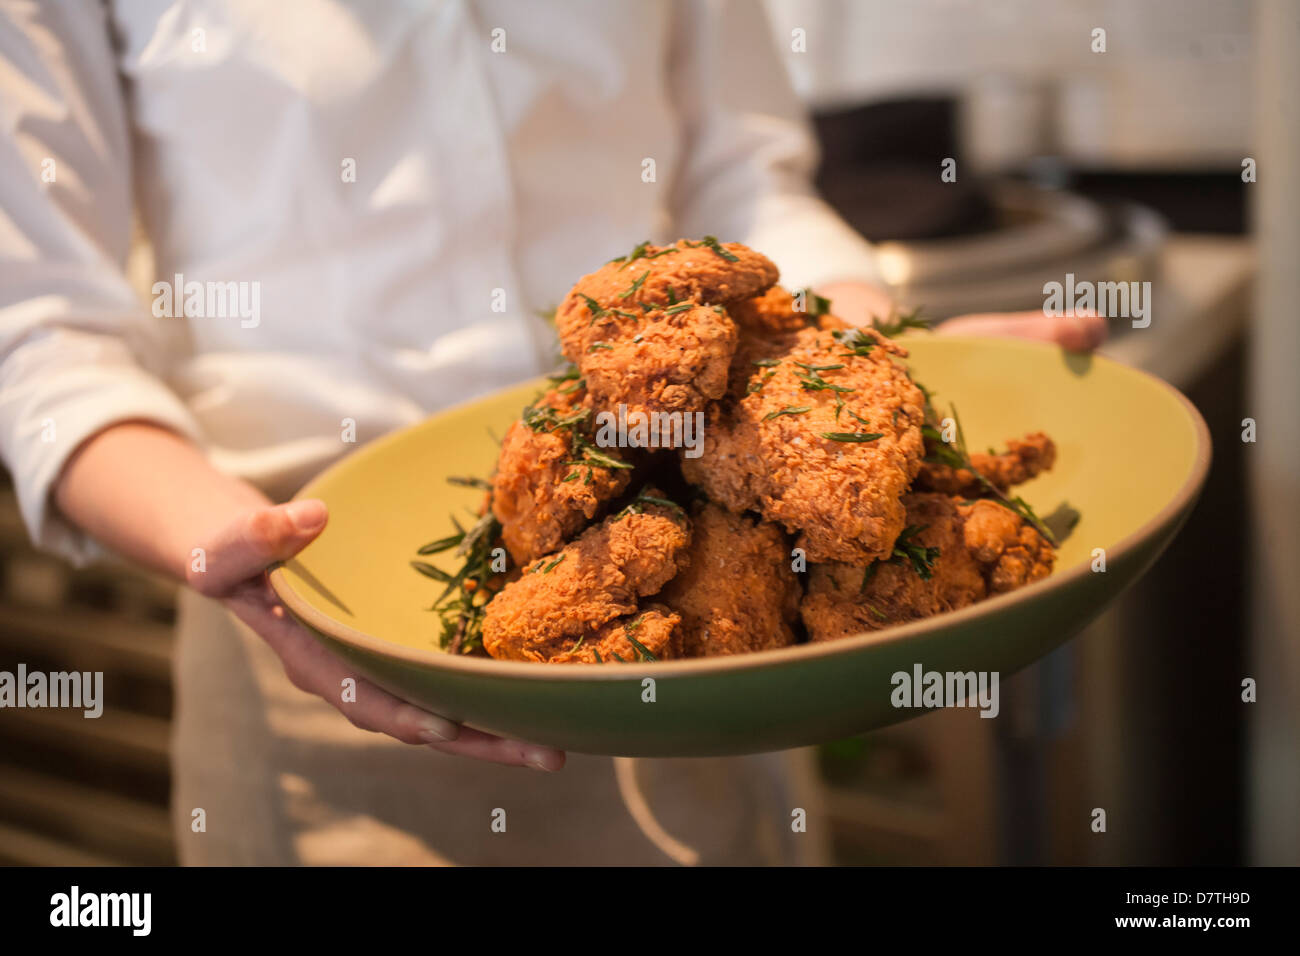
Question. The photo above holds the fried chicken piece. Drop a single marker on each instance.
(776, 312)
(706, 272)
(739, 593)
(584, 593)
(539, 495)
(1021, 461)
(768, 451)
(650, 329)
(772, 313)
(1010, 551)
(665, 362)
(982, 547)
(655, 630)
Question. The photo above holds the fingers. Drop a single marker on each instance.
(312, 668)
(1078, 333)
(513, 753)
(243, 549)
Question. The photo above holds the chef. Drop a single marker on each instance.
(402, 188)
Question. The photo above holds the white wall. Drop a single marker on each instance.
(1172, 88)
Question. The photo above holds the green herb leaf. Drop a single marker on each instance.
(900, 322)
(788, 410)
(429, 571)
(852, 436)
(712, 243)
(635, 286)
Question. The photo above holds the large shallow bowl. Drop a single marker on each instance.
(1133, 454)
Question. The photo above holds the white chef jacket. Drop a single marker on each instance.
(407, 184)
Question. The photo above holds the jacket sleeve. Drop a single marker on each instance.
(746, 172)
(72, 330)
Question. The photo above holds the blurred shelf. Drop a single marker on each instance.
(104, 824)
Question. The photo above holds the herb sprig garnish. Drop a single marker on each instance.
(855, 341)
(595, 308)
(852, 436)
(629, 631)
(588, 454)
(635, 286)
(956, 456)
(812, 381)
(637, 505)
(639, 252)
(582, 452)
(711, 242)
(906, 551)
(568, 373)
(899, 322)
(788, 410)
(462, 604)
(544, 418)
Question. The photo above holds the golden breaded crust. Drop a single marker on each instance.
(565, 598)
(654, 629)
(983, 548)
(738, 593)
(664, 276)
(661, 362)
(538, 495)
(772, 313)
(768, 452)
(1011, 551)
(639, 328)
(1024, 459)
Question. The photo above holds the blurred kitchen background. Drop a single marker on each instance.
(1118, 165)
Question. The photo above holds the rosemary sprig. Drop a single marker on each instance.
(921, 558)
(956, 456)
(906, 551)
(635, 286)
(639, 252)
(642, 651)
(637, 505)
(461, 605)
(855, 341)
(852, 436)
(711, 242)
(589, 454)
(788, 410)
(544, 418)
(567, 374)
(595, 308)
(899, 322)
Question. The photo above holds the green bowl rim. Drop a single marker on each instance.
(1182, 500)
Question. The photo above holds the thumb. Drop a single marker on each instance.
(246, 546)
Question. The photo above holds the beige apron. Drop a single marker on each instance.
(283, 779)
